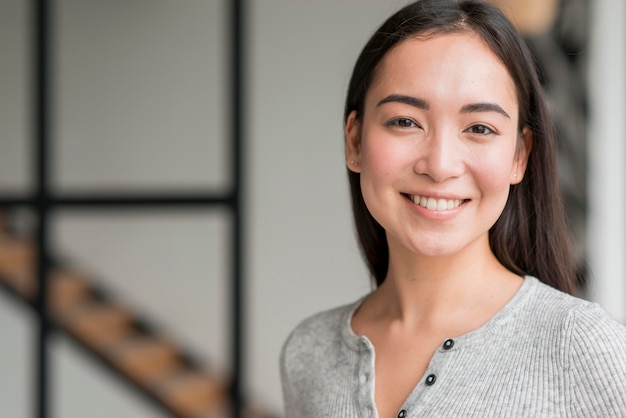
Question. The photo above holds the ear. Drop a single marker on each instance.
(353, 142)
(524, 145)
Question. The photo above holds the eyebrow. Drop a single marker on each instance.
(423, 104)
(484, 107)
(409, 100)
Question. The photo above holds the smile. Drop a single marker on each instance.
(436, 204)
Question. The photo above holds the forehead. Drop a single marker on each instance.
(445, 66)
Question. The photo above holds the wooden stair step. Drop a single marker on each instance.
(145, 359)
(194, 394)
(98, 324)
(112, 331)
(68, 290)
(17, 268)
(16, 256)
(17, 259)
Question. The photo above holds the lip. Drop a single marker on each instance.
(438, 206)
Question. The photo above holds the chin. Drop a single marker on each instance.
(436, 253)
(436, 250)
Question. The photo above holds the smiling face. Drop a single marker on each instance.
(438, 145)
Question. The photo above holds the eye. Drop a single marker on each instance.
(480, 130)
(402, 123)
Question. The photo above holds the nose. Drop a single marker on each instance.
(440, 156)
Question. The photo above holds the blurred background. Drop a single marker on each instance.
(193, 214)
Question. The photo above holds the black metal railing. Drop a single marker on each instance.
(45, 203)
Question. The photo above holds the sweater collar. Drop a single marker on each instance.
(485, 333)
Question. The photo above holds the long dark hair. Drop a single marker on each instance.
(531, 236)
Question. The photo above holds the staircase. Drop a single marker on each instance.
(118, 337)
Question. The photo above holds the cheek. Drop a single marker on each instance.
(383, 163)
(493, 171)
(383, 157)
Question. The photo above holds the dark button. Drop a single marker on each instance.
(448, 344)
(402, 414)
(431, 379)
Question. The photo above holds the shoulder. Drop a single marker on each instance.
(581, 321)
(579, 328)
(557, 301)
(592, 332)
(594, 360)
(311, 357)
(555, 310)
(590, 348)
(318, 335)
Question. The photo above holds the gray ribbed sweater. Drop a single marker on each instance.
(545, 354)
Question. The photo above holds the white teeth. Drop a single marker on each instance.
(436, 204)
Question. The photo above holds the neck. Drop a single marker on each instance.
(432, 289)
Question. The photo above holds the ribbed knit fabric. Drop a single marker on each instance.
(545, 354)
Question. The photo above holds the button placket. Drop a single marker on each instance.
(448, 344)
(364, 378)
(422, 394)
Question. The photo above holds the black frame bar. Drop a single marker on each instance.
(237, 115)
(42, 131)
(44, 202)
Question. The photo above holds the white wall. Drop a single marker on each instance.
(17, 325)
(607, 156)
(140, 103)
(14, 95)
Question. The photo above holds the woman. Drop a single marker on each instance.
(451, 161)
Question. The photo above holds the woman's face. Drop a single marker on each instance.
(437, 144)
